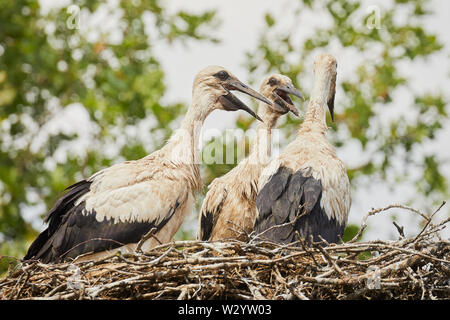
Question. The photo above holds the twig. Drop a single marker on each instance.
(144, 238)
(375, 211)
(408, 268)
(429, 221)
(399, 229)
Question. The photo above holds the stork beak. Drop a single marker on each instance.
(330, 102)
(289, 89)
(231, 103)
(284, 102)
(331, 108)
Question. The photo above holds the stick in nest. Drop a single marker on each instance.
(192, 270)
(145, 237)
(375, 211)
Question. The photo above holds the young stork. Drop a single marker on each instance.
(229, 208)
(117, 206)
(306, 189)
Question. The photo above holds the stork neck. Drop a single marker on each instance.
(317, 108)
(193, 121)
(184, 142)
(262, 149)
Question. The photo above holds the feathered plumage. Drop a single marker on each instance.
(117, 206)
(229, 208)
(306, 189)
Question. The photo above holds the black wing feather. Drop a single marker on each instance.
(284, 198)
(72, 232)
(272, 191)
(55, 215)
(206, 225)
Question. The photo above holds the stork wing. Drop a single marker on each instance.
(291, 201)
(210, 210)
(95, 215)
(55, 215)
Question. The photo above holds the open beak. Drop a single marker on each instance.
(290, 89)
(283, 102)
(231, 103)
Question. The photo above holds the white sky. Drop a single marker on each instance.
(241, 22)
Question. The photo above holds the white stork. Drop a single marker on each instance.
(117, 206)
(306, 188)
(229, 208)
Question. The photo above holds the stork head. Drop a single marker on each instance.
(277, 88)
(325, 67)
(216, 83)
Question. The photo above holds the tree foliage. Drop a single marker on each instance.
(64, 58)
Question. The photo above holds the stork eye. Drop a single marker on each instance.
(273, 81)
(222, 75)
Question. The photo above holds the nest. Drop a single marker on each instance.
(408, 268)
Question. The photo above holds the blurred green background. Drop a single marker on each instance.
(52, 67)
